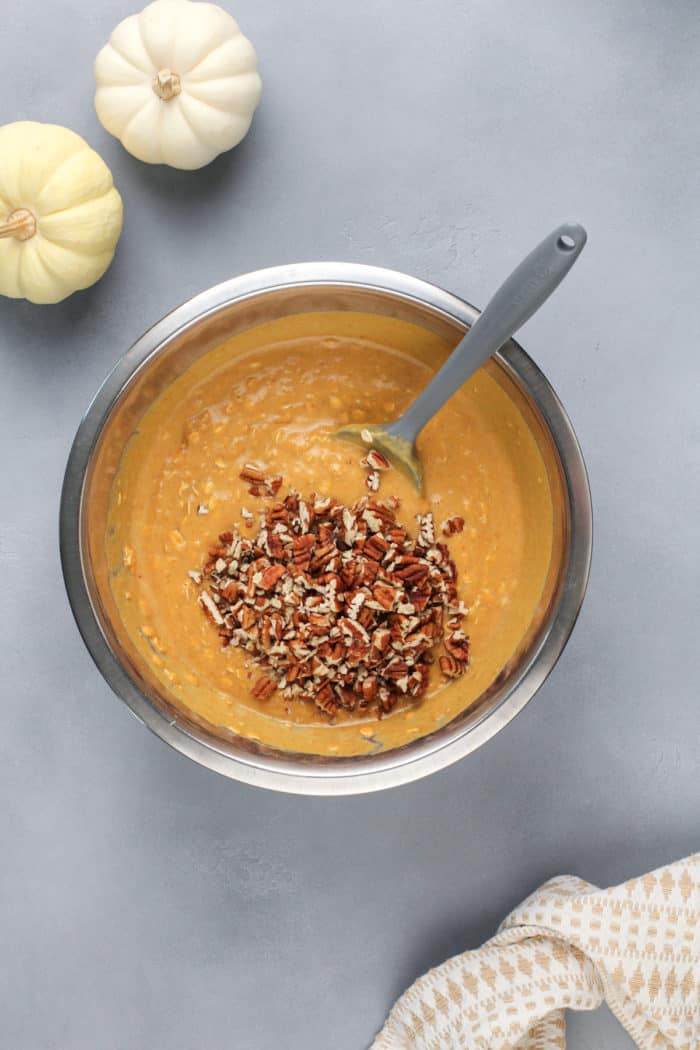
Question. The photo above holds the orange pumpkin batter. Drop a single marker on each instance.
(275, 395)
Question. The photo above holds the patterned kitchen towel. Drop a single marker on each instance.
(569, 945)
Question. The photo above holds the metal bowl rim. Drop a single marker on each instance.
(424, 757)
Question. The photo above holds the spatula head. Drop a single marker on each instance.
(400, 452)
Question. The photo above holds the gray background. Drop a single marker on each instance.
(147, 903)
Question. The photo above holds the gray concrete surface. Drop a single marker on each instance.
(146, 903)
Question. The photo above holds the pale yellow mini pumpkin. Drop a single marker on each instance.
(60, 215)
(177, 83)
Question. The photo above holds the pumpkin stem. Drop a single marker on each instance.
(20, 224)
(166, 84)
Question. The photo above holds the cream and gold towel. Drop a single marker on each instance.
(569, 945)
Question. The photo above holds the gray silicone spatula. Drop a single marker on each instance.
(529, 285)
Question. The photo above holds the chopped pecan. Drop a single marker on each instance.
(271, 576)
(387, 701)
(369, 688)
(292, 672)
(252, 474)
(348, 574)
(397, 535)
(276, 546)
(452, 525)
(396, 669)
(302, 546)
(264, 688)
(347, 697)
(376, 547)
(321, 556)
(369, 571)
(457, 645)
(265, 632)
(381, 638)
(426, 529)
(209, 606)
(375, 460)
(451, 667)
(260, 483)
(385, 594)
(277, 513)
(412, 574)
(366, 617)
(325, 700)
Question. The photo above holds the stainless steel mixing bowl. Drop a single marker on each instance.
(165, 352)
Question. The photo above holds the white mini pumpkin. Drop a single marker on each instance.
(60, 215)
(177, 83)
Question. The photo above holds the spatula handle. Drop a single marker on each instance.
(529, 285)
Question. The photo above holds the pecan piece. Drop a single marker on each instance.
(412, 574)
(368, 572)
(452, 525)
(347, 698)
(348, 574)
(302, 547)
(375, 460)
(275, 545)
(277, 513)
(457, 645)
(381, 639)
(325, 700)
(264, 688)
(396, 669)
(271, 576)
(252, 474)
(397, 534)
(209, 606)
(369, 688)
(260, 483)
(385, 595)
(376, 547)
(451, 667)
